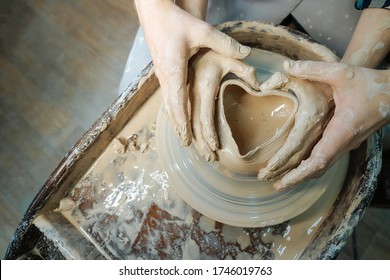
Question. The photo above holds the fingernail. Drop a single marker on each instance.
(184, 136)
(274, 163)
(186, 141)
(213, 146)
(286, 64)
(210, 136)
(272, 166)
(257, 85)
(262, 174)
(289, 64)
(245, 50)
(210, 157)
(279, 187)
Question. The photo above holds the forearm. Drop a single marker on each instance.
(150, 9)
(370, 42)
(197, 8)
(384, 105)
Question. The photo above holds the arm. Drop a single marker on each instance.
(361, 96)
(197, 8)
(362, 106)
(370, 42)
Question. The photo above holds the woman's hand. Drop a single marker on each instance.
(362, 105)
(173, 37)
(208, 68)
(314, 111)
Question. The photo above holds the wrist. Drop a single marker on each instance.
(197, 8)
(150, 8)
(383, 79)
(142, 4)
(370, 42)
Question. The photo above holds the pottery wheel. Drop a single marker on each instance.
(233, 198)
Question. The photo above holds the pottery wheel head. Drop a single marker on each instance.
(235, 198)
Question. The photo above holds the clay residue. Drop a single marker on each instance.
(254, 120)
(125, 208)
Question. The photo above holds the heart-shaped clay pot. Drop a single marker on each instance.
(251, 125)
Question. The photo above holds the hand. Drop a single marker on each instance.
(173, 37)
(314, 111)
(362, 105)
(208, 68)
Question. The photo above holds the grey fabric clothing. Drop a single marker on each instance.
(272, 11)
(364, 4)
(330, 22)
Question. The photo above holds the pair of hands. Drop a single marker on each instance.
(360, 98)
(360, 108)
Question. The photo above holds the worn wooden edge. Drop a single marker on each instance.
(80, 158)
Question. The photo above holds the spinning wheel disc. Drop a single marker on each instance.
(233, 198)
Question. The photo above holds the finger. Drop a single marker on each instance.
(276, 81)
(305, 171)
(286, 158)
(204, 150)
(303, 136)
(293, 143)
(293, 160)
(199, 141)
(296, 148)
(313, 70)
(175, 97)
(205, 88)
(241, 70)
(208, 91)
(221, 43)
(172, 72)
(324, 154)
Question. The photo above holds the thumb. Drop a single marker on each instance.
(313, 70)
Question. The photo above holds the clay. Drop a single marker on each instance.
(208, 69)
(252, 125)
(266, 128)
(235, 198)
(320, 232)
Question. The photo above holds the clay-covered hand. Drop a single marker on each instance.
(315, 109)
(208, 69)
(174, 36)
(362, 105)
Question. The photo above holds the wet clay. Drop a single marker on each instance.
(253, 125)
(126, 208)
(254, 120)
